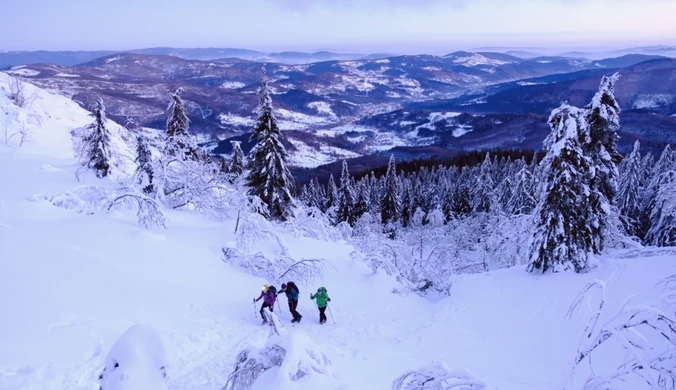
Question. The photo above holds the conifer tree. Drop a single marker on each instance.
(406, 211)
(663, 217)
(629, 194)
(390, 204)
(647, 164)
(602, 117)
(269, 179)
(666, 163)
(144, 165)
(94, 147)
(178, 142)
(483, 186)
(505, 192)
(523, 200)
(447, 204)
(462, 196)
(316, 195)
(376, 194)
(331, 198)
(346, 199)
(362, 205)
(237, 164)
(224, 166)
(563, 238)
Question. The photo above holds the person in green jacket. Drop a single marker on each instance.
(322, 299)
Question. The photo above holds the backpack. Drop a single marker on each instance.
(293, 286)
(272, 289)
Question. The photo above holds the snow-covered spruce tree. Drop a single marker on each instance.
(143, 176)
(269, 179)
(224, 166)
(375, 189)
(483, 186)
(391, 204)
(361, 207)
(663, 217)
(93, 146)
(462, 196)
(647, 164)
(237, 164)
(346, 199)
(316, 196)
(666, 163)
(406, 212)
(178, 142)
(563, 236)
(629, 194)
(331, 204)
(504, 193)
(603, 119)
(523, 199)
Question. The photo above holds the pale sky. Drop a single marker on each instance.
(401, 26)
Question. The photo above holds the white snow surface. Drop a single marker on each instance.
(67, 75)
(49, 118)
(23, 72)
(309, 157)
(652, 101)
(236, 120)
(323, 108)
(233, 85)
(72, 284)
(477, 59)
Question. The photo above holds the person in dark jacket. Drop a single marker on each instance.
(291, 292)
(322, 300)
(269, 296)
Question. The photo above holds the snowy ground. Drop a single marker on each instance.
(71, 284)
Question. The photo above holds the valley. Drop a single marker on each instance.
(366, 105)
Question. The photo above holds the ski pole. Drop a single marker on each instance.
(254, 303)
(334, 321)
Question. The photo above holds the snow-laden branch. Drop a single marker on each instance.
(631, 327)
(148, 212)
(439, 377)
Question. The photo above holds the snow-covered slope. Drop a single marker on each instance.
(71, 284)
(46, 120)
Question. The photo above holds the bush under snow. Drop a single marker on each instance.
(439, 377)
(647, 332)
(287, 358)
(136, 361)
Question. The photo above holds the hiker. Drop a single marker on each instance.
(322, 299)
(269, 294)
(292, 292)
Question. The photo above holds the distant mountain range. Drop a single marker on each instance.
(416, 106)
(532, 52)
(70, 58)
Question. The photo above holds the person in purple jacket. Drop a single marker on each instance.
(269, 294)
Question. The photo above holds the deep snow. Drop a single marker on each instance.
(71, 284)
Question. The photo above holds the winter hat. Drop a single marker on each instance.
(283, 286)
(265, 287)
